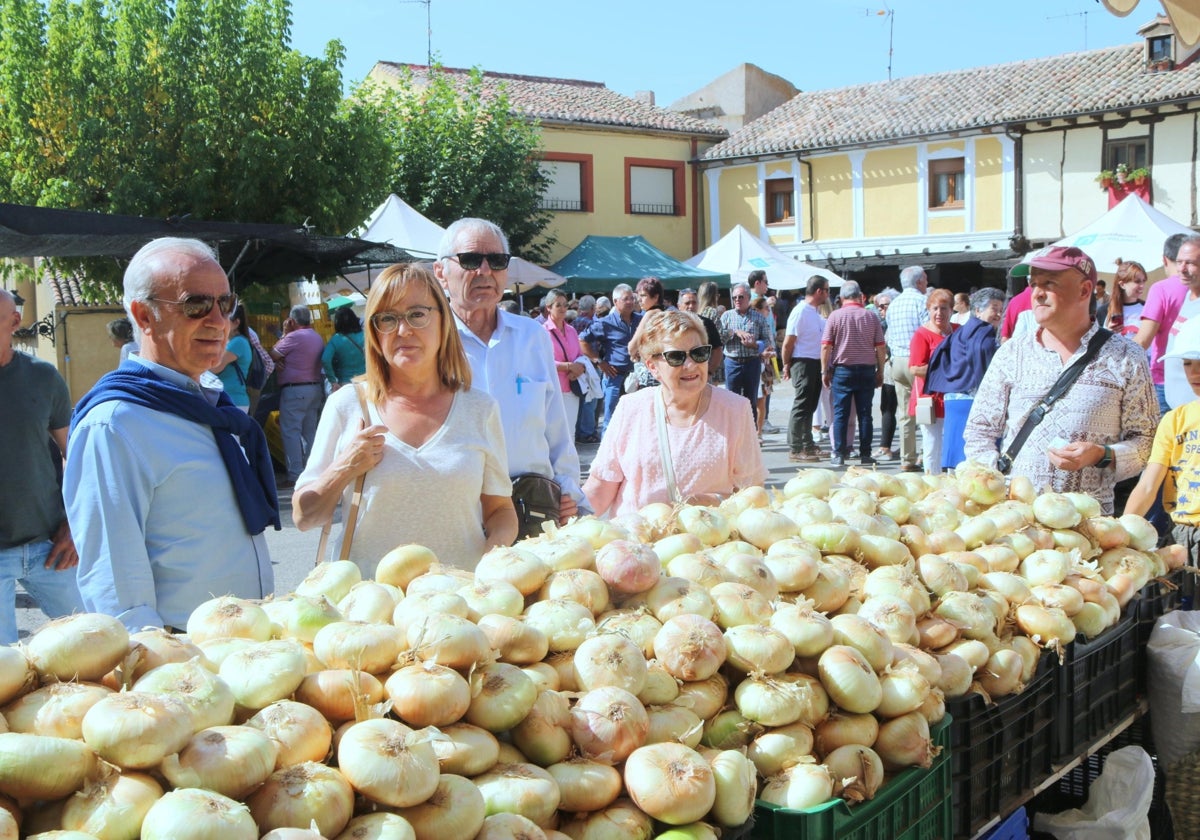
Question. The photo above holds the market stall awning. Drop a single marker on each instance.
(599, 262)
(740, 252)
(249, 252)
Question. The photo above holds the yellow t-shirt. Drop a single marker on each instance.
(1177, 447)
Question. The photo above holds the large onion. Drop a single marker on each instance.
(137, 729)
(502, 696)
(798, 787)
(465, 750)
(857, 771)
(585, 785)
(456, 811)
(523, 569)
(608, 724)
(610, 659)
(231, 760)
(514, 640)
(543, 736)
(690, 647)
(358, 646)
(112, 807)
(228, 617)
(300, 732)
(564, 623)
(428, 694)
(340, 694)
(387, 762)
(904, 742)
(56, 709)
(779, 748)
(79, 647)
(43, 767)
(524, 789)
(300, 617)
(849, 679)
(670, 782)
(300, 795)
(264, 673)
(206, 694)
(192, 814)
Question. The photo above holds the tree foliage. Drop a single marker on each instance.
(458, 149)
(176, 107)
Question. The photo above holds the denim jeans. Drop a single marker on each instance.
(55, 592)
(852, 383)
(299, 411)
(741, 377)
(614, 388)
(585, 426)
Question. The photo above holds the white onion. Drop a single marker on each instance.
(388, 763)
(1002, 673)
(439, 579)
(155, 646)
(299, 617)
(941, 575)
(544, 736)
(378, 826)
(621, 820)
(865, 637)
(809, 631)
(660, 517)
(698, 568)
(704, 697)
(84, 647)
(465, 749)
(1045, 626)
(491, 597)
(501, 696)
(300, 732)
(798, 787)
(43, 767)
(56, 709)
(672, 596)
(112, 807)
(812, 482)
(974, 652)
(370, 601)
(831, 537)
(707, 524)
(610, 659)
(841, 728)
(890, 614)
(428, 694)
(736, 603)
(358, 646)
(524, 789)
(403, 564)
(231, 760)
(831, 589)
(564, 623)
(264, 673)
(137, 729)
(564, 551)
(300, 795)
(415, 607)
(670, 782)
(674, 723)
(523, 569)
(513, 640)
(192, 814)
(1142, 535)
(583, 586)
(1055, 510)
(456, 811)
(1058, 595)
(849, 679)
(447, 640)
(690, 647)
(585, 785)
(904, 742)
(857, 771)
(668, 548)
(904, 690)
(330, 580)
(758, 647)
(340, 694)
(728, 730)
(504, 826)
(17, 675)
(779, 748)
(969, 612)
(608, 724)
(660, 686)
(782, 699)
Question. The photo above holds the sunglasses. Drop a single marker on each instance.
(676, 358)
(388, 322)
(198, 306)
(473, 261)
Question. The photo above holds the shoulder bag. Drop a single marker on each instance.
(537, 499)
(664, 447)
(576, 386)
(355, 498)
(1059, 390)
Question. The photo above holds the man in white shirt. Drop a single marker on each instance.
(511, 357)
(802, 364)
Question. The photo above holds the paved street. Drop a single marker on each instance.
(293, 552)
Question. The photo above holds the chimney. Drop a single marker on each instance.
(646, 96)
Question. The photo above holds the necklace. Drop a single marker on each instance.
(690, 416)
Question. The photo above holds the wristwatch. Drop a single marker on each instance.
(1106, 460)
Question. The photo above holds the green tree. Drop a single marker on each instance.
(174, 107)
(460, 150)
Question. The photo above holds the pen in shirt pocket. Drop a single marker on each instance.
(521, 380)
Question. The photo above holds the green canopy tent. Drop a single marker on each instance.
(599, 262)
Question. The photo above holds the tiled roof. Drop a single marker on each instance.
(570, 100)
(962, 100)
(67, 290)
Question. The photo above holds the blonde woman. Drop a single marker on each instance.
(433, 449)
(712, 447)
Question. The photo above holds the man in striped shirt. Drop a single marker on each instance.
(906, 313)
(747, 337)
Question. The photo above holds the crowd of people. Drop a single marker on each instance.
(443, 404)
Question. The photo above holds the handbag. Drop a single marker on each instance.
(925, 413)
(1057, 391)
(538, 500)
(355, 498)
(576, 387)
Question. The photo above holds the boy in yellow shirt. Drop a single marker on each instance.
(1175, 459)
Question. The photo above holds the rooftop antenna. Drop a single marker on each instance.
(428, 4)
(1084, 14)
(890, 14)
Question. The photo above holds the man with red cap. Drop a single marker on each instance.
(1101, 429)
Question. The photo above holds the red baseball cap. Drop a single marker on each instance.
(1056, 258)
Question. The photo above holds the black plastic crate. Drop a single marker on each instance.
(1097, 687)
(1001, 751)
(1071, 791)
(1157, 598)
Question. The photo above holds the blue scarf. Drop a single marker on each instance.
(959, 363)
(253, 480)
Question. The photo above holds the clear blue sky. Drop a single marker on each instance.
(674, 47)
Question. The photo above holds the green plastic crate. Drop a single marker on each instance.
(915, 804)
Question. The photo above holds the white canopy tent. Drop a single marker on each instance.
(1133, 230)
(396, 222)
(739, 252)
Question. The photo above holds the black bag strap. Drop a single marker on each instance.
(1065, 380)
(562, 345)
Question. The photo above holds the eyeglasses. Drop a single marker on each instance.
(388, 322)
(473, 260)
(738, 297)
(198, 306)
(676, 358)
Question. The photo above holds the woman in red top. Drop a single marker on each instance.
(920, 350)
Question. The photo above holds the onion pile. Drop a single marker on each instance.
(606, 679)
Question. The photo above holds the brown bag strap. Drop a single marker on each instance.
(351, 519)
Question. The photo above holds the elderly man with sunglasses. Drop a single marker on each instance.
(511, 359)
(168, 485)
